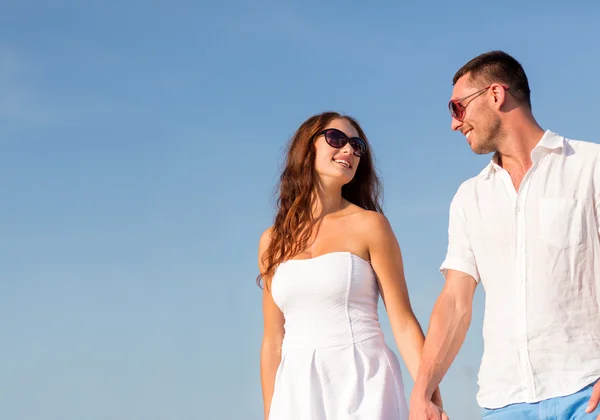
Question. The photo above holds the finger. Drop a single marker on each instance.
(594, 399)
(445, 416)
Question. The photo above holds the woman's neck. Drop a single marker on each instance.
(326, 201)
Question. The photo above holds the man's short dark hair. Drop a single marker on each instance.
(498, 67)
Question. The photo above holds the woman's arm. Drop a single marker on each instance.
(386, 259)
(270, 354)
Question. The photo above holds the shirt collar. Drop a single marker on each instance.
(549, 143)
(491, 167)
(552, 142)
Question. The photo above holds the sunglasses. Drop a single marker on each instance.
(458, 110)
(337, 139)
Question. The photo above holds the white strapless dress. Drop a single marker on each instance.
(335, 364)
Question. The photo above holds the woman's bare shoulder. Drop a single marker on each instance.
(369, 218)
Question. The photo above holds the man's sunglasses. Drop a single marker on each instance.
(337, 139)
(458, 110)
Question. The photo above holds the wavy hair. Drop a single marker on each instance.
(294, 222)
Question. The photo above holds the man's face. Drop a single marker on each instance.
(480, 123)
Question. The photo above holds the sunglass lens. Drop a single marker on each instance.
(456, 111)
(359, 146)
(336, 138)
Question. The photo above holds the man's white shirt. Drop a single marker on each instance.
(537, 254)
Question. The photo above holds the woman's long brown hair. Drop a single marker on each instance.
(294, 222)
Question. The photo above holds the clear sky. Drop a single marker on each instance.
(141, 143)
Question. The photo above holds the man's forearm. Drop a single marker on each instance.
(447, 330)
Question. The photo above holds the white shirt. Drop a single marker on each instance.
(537, 253)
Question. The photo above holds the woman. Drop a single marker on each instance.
(323, 263)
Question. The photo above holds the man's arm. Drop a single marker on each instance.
(448, 327)
(451, 314)
(597, 194)
(595, 398)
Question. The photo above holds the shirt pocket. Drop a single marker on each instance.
(562, 222)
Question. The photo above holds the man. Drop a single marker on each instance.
(527, 227)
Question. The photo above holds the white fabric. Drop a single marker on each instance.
(537, 253)
(335, 363)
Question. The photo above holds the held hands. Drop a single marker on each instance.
(424, 409)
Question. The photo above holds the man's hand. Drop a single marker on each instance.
(594, 399)
(423, 409)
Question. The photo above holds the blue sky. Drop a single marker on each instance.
(141, 143)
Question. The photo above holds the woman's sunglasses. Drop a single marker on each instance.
(337, 139)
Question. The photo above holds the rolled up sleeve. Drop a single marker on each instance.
(459, 255)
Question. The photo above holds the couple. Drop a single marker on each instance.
(527, 227)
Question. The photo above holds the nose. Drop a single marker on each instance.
(348, 149)
(455, 124)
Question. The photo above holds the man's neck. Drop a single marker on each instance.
(514, 155)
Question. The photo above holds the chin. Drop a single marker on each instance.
(336, 178)
(344, 179)
(482, 149)
(476, 148)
